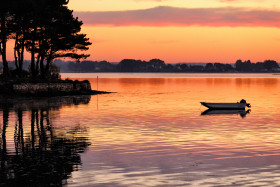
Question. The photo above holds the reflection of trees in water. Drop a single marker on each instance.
(42, 158)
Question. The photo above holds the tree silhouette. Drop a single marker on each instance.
(270, 65)
(157, 64)
(238, 65)
(5, 16)
(59, 36)
(209, 67)
(21, 14)
(45, 28)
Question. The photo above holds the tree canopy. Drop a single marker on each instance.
(247, 66)
(46, 29)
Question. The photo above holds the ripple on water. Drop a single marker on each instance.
(151, 133)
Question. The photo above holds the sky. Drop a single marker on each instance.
(181, 30)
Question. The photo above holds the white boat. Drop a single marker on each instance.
(219, 106)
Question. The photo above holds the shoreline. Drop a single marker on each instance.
(91, 76)
(12, 88)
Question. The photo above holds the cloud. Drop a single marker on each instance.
(172, 16)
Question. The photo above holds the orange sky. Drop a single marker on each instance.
(181, 30)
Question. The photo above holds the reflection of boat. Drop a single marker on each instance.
(242, 113)
(226, 106)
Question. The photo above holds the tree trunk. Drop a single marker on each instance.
(42, 68)
(4, 46)
(37, 65)
(33, 69)
(20, 63)
(47, 68)
(15, 51)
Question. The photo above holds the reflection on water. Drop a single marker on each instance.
(242, 113)
(43, 154)
(151, 133)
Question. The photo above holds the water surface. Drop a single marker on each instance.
(150, 133)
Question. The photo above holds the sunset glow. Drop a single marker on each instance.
(140, 93)
(181, 30)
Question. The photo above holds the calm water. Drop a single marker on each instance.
(149, 133)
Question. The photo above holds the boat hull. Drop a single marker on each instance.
(224, 106)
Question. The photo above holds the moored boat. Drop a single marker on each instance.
(226, 106)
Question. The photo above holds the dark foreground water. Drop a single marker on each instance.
(152, 132)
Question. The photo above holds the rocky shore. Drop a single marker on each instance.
(57, 88)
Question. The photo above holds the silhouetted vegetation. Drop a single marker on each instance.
(266, 66)
(46, 29)
(157, 65)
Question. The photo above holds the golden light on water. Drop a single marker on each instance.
(152, 131)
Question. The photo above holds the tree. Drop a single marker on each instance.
(228, 67)
(239, 65)
(184, 67)
(157, 64)
(219, 67)
(209, 67)
(45, 28)
(20, 26)
(259, 66)
(270, 65)
(130, 65)
(57, 35)
(247, 66)
(5, 16)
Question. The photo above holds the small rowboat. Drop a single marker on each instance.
(227, 106)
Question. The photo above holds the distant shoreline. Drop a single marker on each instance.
(92, 76)
(159, 66)
(274, 73)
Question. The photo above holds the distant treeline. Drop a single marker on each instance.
(157, 65)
